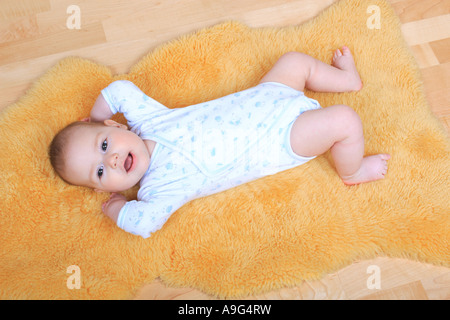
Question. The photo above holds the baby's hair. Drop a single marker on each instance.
(57, 147)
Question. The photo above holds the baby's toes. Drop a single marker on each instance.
(385, 167)
(346, 51)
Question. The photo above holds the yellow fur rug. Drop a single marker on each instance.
(274, 232)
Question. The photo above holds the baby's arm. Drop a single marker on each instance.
(142, 217)
(124, 97)
(113, 206)
(100, 111)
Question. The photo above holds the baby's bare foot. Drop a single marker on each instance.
(372, 168)
(344, 60)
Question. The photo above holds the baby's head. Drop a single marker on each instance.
(103, 156)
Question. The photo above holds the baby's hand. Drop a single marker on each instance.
(112, 207)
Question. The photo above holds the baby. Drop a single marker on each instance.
(178, 155)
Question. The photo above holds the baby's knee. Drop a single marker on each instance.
(349, 120)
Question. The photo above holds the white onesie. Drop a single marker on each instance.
(206, 148)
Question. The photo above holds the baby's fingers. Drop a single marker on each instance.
(104, 204)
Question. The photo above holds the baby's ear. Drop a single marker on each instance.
(112, 123)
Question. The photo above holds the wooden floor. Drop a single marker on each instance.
(34, 35)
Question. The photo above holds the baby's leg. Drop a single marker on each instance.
(338, 128)
(298, 70)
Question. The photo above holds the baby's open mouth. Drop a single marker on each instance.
(128, 162)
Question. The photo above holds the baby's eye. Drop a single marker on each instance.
(100, 172)
(105, 145)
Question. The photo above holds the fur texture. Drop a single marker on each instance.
(273, 232)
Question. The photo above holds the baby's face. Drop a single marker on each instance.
(106, 158)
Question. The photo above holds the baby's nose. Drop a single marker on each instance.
(113, 160)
